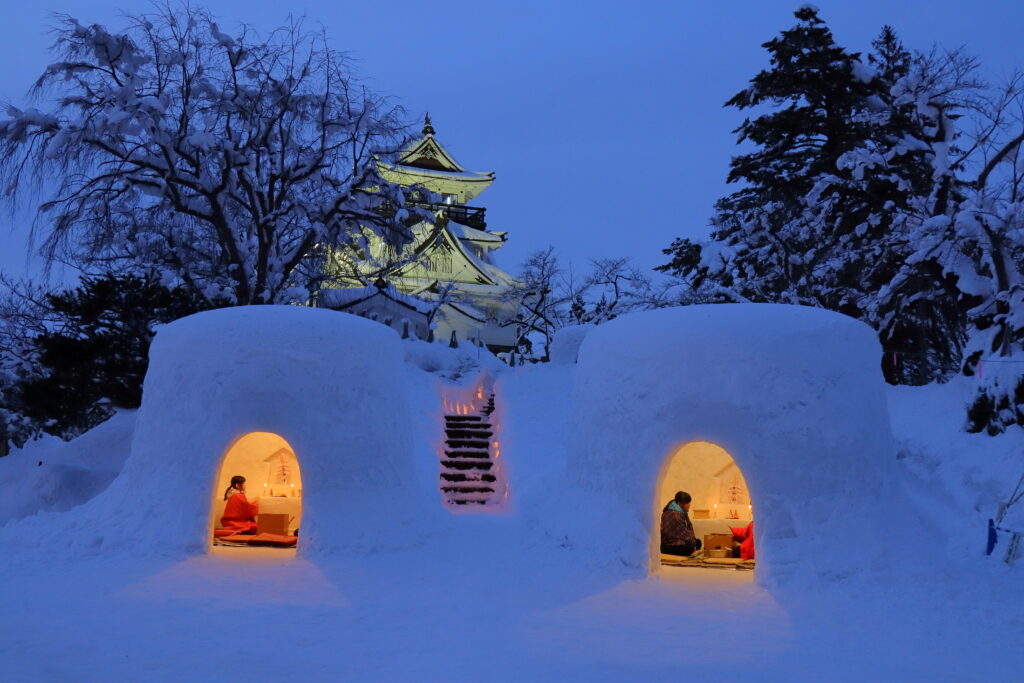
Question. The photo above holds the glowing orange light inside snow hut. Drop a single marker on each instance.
(713, 479)
(261, 456)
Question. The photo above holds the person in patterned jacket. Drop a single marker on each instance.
(677, 537)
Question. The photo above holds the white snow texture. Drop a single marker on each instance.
(792, 393)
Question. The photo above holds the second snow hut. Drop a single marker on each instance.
(793, 395)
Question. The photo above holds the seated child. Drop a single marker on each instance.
(239, 513)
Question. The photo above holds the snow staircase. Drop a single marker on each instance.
(469, 468)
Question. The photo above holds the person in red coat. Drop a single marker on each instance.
(745, 538)
(239, 513)
(677, 537)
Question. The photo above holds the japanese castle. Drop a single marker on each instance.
(445, 283)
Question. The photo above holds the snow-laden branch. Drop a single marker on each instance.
(219, 160)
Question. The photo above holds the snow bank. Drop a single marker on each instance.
(793, 394)
(329, 384)
(55, 475)
(455, 365)
(956, 480)
(565, 347)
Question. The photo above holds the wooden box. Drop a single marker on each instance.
(272, 523)
(701, 514)
(713, 541)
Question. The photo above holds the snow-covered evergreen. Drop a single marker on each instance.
(821, 217)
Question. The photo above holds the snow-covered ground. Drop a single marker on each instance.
(499, 597)
(489, 614)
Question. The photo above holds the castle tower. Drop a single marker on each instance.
(449, 263)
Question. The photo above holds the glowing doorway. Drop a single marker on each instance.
(720, 504)
(273, 482)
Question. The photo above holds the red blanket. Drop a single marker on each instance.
(274, 539)
(262, 539)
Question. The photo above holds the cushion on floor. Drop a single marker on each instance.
(273, 539)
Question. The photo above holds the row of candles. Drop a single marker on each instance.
(750, 509)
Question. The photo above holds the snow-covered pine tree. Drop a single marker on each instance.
(23, 316)
(970, 225)
(819, 218)
(92, 355)
(888, 182)
(981, 241)
(225, 163)
(14, 428)
(914, 305)
(776, 246)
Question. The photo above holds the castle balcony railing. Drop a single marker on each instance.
(471, 216)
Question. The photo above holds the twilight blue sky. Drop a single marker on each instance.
(602, 120)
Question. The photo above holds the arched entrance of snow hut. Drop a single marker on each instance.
(721, 501)
(273, 481)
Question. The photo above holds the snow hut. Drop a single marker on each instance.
(793, 395)
(290, 389)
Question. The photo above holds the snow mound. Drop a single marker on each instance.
(565, 347)
(795, 395)
(55, 475)
(956, 480)
(451, 364)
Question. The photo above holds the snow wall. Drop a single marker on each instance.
(794, 394)
(329, 384)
